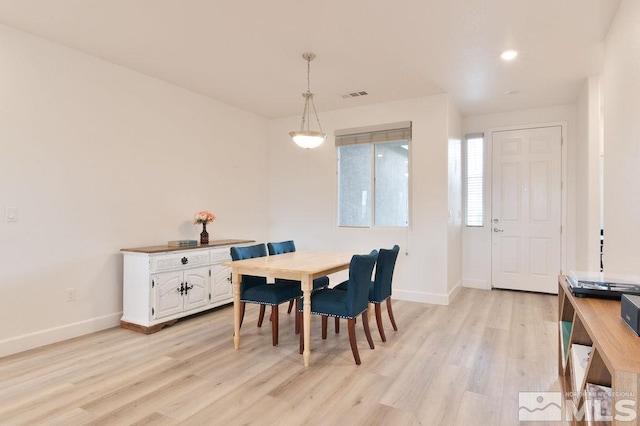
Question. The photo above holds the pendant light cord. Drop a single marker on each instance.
(311, 95)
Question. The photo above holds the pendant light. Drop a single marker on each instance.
(305, 137)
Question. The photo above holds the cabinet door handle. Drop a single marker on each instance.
(181, 289)
(187, 287)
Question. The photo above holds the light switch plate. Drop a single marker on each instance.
(11, 214)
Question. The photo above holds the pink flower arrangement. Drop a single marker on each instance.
(203, 217)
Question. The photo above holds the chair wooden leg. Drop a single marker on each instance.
(274, 324)
(297, 320)
(351, 325)
(242, 305)
(337, 325)
(301, 321)
(367, 332)
(261, 316)
(290, 305)
(393, 321)
(379, 322)
(324, 327)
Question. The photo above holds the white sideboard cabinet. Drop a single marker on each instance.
(162, 284)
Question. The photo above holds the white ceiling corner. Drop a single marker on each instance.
(248, 53)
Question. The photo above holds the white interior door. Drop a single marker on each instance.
(526, 209)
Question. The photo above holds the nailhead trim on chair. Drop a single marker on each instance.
(331, 315)
(336, 316)
(264, 303)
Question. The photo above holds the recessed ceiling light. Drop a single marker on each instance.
(509, 55)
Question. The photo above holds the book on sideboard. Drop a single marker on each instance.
(182, 243)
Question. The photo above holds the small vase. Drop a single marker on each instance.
(204, 235)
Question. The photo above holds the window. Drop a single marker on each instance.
(373, 176)
(474, 180)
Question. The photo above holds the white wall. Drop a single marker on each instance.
(588, 177)
(476, 242)
(454, 243)
(303, 193)
(621, 97)
(98, 158)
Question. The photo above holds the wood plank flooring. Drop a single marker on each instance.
(461, 364)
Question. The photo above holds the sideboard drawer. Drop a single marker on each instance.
(220, 255)
(179, 260)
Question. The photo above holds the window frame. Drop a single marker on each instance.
(483, 176)
(372, 136)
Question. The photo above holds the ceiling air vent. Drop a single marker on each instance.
(354, 94)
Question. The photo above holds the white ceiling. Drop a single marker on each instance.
(247, 53)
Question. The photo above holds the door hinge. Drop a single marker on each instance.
(153, 311)
(209, 297)
(209, 272)
(561, 229)
(153, 283)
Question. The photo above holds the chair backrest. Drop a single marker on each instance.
(249, 252)
(384, 273)
(282, 247)
(360, 270)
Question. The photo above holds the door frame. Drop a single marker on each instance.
(563, 193)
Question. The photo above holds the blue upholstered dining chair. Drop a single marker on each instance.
(288, 247)
(348, 304)
(256, 290)
(380, 287)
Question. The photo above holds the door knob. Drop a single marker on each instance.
(498, 230)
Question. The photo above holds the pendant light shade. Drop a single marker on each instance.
(308, 139)
(305, 137)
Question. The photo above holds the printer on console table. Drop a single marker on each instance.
(162, 284)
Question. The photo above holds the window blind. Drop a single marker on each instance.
(374, 134)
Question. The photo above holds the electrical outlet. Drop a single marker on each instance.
(11, 214)
(71, 295)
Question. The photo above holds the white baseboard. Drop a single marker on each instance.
(421, 297)
(57, 334)
(432, 298)
(479, 284)
(454, 291)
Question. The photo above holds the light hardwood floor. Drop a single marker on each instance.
(461, 364)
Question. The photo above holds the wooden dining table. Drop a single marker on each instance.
(303, 266)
